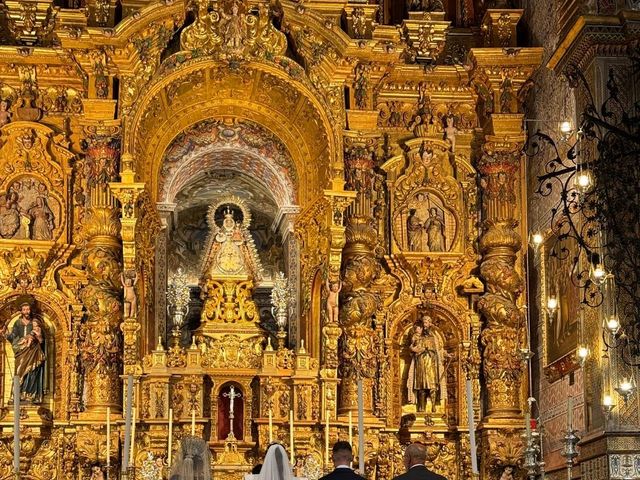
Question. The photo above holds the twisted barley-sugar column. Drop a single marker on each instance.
(500, 243)
(101, 344)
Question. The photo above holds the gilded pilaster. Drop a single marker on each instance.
(127, 192)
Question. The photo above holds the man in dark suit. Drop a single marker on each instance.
(414, 457)
(342, 458)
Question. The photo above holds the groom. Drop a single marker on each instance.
(415, 457)
(342, 458)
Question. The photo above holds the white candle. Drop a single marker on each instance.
(132, 460)
(270, 426)
(16, 425)
(170, 438)
(360, 427)
(127, 423)
(472, 429)
(570, 413)
(351, 428)
(326, 439)
(108, 439)
(291, 451)
(193, 422)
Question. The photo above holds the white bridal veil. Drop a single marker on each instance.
(276, 465)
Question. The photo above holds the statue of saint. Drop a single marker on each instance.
(9, 216)
(426, 369)
(28, 342)
(434, 227)
(42, 223)
(414, 231)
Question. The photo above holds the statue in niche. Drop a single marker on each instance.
(434, 228)
(230, 236)
(27, 211)
(130, 298)
(9, 216)
(414, 231)
(333, 301)
(27, 339)
(42, 220)
(426, 371)
(450, 131)
(425, 224)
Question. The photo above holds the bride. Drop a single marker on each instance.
(276, 465)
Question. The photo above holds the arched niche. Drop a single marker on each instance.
(223, 427)
(451, 330)
(264, 93)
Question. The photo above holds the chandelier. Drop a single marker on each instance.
(592, 172)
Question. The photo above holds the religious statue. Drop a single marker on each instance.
(426, 369)
(96, 473)
(130, 299)
(507, 473)
(42, 220)
(450, 132)
(5, 114)
(333, 301)
(434, 228)
(414, 231)
(233, 27)
(28, 342)
(9, 216)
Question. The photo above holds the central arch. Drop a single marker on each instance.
(277, 98)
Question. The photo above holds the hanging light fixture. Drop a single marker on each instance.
(582, 353)
(613, 324)
(552, 304)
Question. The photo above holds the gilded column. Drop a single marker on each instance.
(360, 269)
(100, 340)
(502, 82)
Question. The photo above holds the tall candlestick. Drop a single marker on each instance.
(291, 451)
(16, 425)
(132, 460)
(127, 423)
(270, 426)
(360, 427)
(472, 429)
(170, 447)
(570, 413)
(108, 440)
(193, 422)
(326, 439)
(527, 424)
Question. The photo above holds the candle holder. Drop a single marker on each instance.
(178, 296)
(607, 405)
(570, 450)
(626, 388)
(280, 298)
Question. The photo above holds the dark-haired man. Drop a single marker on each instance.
(342, 458)
(414, 458)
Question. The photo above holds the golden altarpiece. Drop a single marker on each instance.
(148, 147)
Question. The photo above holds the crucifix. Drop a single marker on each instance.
(232, 396)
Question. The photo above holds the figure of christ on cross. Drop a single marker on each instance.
(232, 395)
